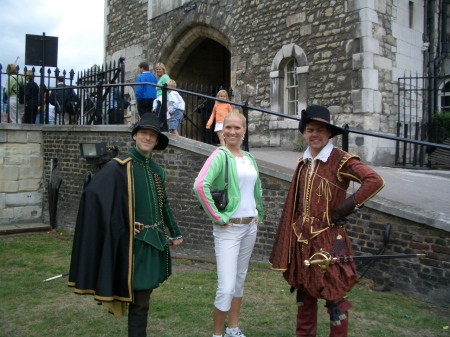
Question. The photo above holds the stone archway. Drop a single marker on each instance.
(201, 55)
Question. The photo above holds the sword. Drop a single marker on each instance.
(55, 277)
(323, 259)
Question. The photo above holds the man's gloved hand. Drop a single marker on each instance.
(342, 210)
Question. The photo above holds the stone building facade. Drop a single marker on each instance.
(282, 56)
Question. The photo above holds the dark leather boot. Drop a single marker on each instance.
(340, 330)
(138, 314)
(338, 312)
(306, 315)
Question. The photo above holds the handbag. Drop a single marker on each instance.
(220, 197)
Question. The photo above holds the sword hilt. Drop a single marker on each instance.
(321, 258)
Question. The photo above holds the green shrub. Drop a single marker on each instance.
(299, 144)
(441, 126)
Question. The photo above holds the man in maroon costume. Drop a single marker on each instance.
(313, 218)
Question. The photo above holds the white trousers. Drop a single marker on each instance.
(16, 111)
(233, 246)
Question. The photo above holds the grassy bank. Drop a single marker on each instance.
(182, 306)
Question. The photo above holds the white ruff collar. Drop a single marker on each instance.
(323, 155)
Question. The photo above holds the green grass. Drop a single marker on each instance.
(182, 306)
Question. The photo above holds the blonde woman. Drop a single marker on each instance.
(161, 76)
(235, 227)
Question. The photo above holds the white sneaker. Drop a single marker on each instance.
(235, 332)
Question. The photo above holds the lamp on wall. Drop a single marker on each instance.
(97, 153)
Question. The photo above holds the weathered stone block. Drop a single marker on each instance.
(9, 172)
(28, 212)
(368, 14)
(381, 62)
(3, 135)
(29, 185)
(37, 162)
(8, 186)
(370, 44)
(30, 172)
(22, 199)
(295, 19)
(6, 213)
(362, 60)
(34, 137)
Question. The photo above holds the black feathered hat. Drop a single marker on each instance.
(151, 121)
(317, 113)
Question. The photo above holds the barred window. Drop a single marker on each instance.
(291, 87)
(289, 83)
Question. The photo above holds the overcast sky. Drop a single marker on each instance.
(78, 25)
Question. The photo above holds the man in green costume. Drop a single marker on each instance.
(124, 229)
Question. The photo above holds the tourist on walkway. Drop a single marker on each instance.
(145, 93)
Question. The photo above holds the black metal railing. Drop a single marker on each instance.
(91, 107)
(421, 101)
(95, 85)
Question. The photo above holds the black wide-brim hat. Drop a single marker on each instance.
(317, 113)
(151, 121)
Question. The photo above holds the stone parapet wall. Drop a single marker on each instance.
(427, 278)
(21, 172)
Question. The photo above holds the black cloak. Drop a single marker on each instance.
(102, 258)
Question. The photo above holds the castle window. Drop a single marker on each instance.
(411, 14)
(289, 81)
(291, 88)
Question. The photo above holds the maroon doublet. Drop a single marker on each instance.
(305, 225)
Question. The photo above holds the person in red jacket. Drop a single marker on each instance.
(314, 218)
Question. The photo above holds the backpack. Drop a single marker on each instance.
(71, 103)
(21, 95)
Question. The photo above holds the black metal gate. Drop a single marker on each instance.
(421, 102)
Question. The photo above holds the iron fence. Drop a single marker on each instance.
(94, 96)
(415, 136)
(423, 103)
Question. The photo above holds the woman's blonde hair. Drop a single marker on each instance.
(162, 66)
(235, 113)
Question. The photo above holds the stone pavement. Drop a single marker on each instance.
(417, 195)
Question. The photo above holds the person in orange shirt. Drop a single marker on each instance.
(218, 114)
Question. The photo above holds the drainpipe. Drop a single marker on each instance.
(431, 10)
(443, 31)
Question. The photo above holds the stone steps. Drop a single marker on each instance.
(24, 228)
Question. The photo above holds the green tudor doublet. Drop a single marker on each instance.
(152, 262)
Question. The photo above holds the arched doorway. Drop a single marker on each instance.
(200, 61)
(207, 64)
